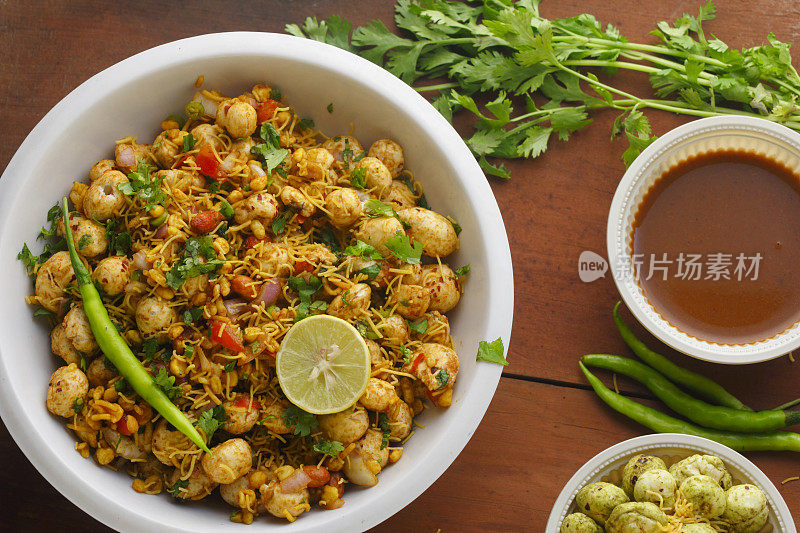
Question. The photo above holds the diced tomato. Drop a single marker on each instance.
(303, 266)
(124, 427)
(226, 336)
(266, 110)
(209, 164)
(244, 401)
(300, 219)
(432, 398)
(251, 241)
(415, 364)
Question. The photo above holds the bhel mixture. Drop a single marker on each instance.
(204, 249)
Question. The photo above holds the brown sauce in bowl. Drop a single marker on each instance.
(737, 215)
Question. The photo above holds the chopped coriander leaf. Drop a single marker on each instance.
(442, 377)
(302, 421)
(226, 209)
(270, 135)
(211, 420)
(120, 385)
(492, 352)
(143, 186)
(77, 405)
(330, 107)
(371, 271)
(213, 185)
(53, 216)
(278, 225)
(85, 241)
(41, 311)
(166, 383)
(83, 364)
(318, 305)
(188, 352)
(406, 353)
(305, 289)
(462, 271)
(386, 430)
(328, 447)
(347, 153)
(305, 124)
(376, 208)
(175, 490)
(363, 250)
(421, 326)
(119, 243)
(358, 178)
(275, 94)
(271, 156)
(230, 366)
(192, 315)
(198, 258)
(28, 259)
(402, 248)
(188, 143)
(328, 237)
(150, 347)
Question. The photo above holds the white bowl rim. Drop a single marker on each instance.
(618, 228)
(665, 440)
(500, 314)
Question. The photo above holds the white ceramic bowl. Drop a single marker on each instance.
(670, 444)
(699, 136)
(132, 98)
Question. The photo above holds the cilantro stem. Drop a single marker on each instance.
(439, 87)
(612, 64)
(574, 38)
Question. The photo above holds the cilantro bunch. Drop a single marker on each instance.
(506, 53)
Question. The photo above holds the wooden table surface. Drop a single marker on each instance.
(543, 423)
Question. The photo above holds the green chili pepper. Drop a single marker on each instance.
(698, 411)
(116, 349)
(661, 423)
(707, 388)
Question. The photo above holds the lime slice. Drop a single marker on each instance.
(323, 365)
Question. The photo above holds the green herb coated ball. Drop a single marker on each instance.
(636, 517)
(579, 523)
(707, 465)
(705, 495)
(597, 500)
(638, 465)
(698, 528)
(746, 509)
(656, 486)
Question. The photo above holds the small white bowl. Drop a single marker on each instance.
(670, 444)
(696, 137)
(132, 98)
